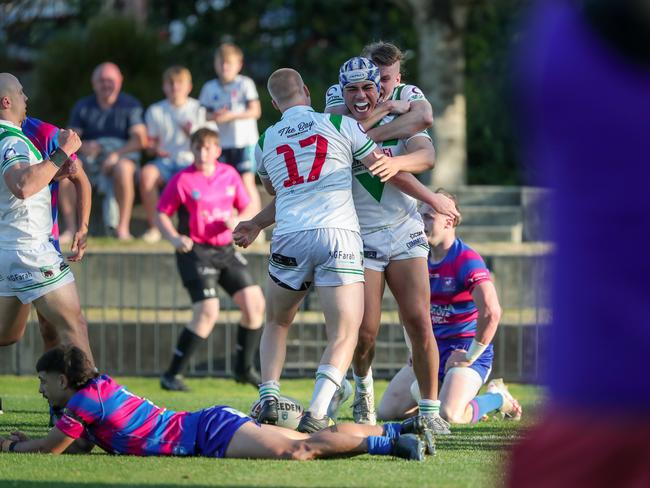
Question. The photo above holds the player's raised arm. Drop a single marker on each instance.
(420, 157)
(247, 231)
(418, 118)
(84, 201)
(25, 180)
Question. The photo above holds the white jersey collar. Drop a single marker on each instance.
(296, 109)
(11, 124)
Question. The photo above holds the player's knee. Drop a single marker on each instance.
(367, 340)
(452, 414)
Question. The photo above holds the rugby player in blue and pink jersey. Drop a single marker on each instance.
(465, 314)
(43, 136)
(99, 411)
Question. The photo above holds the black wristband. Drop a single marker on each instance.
(12, 446)
(58, 157)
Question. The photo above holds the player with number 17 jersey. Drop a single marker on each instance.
(307, 156)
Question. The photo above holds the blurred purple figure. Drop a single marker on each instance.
(586, 89)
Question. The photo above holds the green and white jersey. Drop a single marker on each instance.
(410, 93)
(380, 205)
(24, 224)
(307, 157)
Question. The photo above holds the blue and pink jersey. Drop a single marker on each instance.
(43, 136)
(120, 422)
(205, 203)
(452, 280)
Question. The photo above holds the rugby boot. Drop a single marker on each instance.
(173, 383)
(363, 408)
(268, 411)
(408, 446)
(340, 397)
(309, 424)
(249, 376)
(511, 409)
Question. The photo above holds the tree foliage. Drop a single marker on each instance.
(492, 33)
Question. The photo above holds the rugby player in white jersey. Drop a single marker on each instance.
(31, 269)
(394, 97)
(305, 160)
(395, 253)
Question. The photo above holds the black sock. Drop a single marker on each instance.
(188, 341)
(248, 343)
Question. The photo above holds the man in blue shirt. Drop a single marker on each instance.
(112, 129)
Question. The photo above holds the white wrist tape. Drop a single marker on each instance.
(475, 351)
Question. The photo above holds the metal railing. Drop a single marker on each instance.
(136, 307)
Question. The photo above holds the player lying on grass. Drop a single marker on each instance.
(98, 411)
(465, 314)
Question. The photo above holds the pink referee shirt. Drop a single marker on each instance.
(205, 203)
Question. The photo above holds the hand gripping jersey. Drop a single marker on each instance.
(24, 223)
(380, 205)
(122, 423)
(307, 156)
(43, 135)
(410, 93)
(453, 311)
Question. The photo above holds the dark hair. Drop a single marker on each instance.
(69, 361)
(203, 135)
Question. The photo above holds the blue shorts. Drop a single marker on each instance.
(238, 158)
(215, 429)
(483, 365)
(168, 168)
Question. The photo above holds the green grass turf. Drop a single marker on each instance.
(472, 456)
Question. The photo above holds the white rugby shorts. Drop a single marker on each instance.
(324, 257)
(31, 273)
(404, 240)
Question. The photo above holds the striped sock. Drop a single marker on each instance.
(269, 389)
(484, 404)
(379, 445)
(429, 408)
(363, 383)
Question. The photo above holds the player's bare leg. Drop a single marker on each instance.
(282, 306)
(271, 442)
(460, 387)
(408, 279)
(397, 402)
(363, 409)
(343, 310)
(13, 320)
(62, 309)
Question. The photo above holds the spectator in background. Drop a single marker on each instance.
(233, 103)
(169, 125)
(113, 133)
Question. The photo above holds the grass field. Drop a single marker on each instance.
(472, 457)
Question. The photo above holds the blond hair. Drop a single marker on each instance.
(175, 72)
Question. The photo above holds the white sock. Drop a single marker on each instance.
(429, 408)
(269, 389)
(328, 380)
(363, 383)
